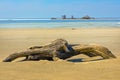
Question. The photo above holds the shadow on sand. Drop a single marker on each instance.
(82, 60)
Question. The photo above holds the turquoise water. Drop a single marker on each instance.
(47, 23)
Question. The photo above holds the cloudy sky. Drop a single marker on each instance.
(56, 8)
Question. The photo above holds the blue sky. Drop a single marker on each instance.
(56, 8)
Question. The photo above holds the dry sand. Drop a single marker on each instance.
(14, 40)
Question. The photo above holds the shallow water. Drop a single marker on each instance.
(47, 23)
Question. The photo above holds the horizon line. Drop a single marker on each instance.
(67, 18)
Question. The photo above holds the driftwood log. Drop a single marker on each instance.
(60, 49)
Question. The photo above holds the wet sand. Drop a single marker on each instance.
(15, 40)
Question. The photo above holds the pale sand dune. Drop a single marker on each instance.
(13, 40)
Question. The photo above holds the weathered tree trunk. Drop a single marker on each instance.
(60, 49)
(52, 50)
(93, 50)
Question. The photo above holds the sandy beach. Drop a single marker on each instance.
(16, 40)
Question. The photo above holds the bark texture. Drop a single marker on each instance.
(60, 49)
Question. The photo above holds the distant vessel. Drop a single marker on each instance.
(63, 17)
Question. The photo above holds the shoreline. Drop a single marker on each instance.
(65, 28)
